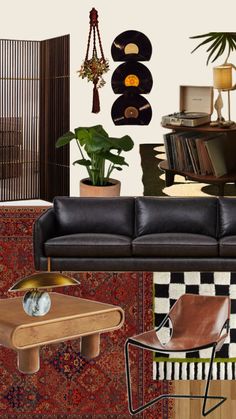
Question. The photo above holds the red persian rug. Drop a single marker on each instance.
(68, 386)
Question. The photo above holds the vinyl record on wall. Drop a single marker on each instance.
(132, 76)
(131, 45)
(131, 109)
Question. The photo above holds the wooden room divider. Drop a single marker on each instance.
(34, 112)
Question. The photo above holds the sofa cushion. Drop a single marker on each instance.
(228, 246)
(176, 215)
(88, 245)
(95, 215)
(175, 245)
(227, 217)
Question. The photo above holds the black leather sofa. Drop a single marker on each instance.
(137, 234)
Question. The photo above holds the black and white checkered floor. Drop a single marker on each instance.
(169, 286)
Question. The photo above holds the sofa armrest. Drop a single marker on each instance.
(44, 229)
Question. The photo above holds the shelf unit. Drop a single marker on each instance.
(230, 158)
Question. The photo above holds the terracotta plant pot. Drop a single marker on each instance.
(113, 189)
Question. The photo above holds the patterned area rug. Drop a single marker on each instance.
(194, 366)
(154, 179)
(67, 386)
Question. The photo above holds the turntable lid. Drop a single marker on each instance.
(196, 99)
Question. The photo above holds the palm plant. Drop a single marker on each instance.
(219, 42)
(99, 146)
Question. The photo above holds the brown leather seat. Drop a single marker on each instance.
(197, 322)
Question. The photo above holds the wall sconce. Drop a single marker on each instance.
(222, 81)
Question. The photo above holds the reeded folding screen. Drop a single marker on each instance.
(54, 116)
(24, 143)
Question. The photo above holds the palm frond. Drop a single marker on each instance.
(217, 46)
(220, 52)
(219, 42)
(203, 43)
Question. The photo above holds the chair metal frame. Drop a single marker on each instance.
(216, 346)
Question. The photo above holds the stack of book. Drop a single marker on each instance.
(198, 153)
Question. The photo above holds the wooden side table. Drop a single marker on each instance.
(69, 318)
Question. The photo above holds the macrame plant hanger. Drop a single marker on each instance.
(94, 30)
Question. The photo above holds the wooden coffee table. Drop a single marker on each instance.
(69, 318)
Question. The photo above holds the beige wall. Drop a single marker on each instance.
(167, 24)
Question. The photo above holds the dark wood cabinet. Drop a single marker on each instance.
(229, 155)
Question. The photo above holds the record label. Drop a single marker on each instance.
(131, 109)
(131, 49)
(132, 76)
(131, 45)
(131, 112)
(131, 80)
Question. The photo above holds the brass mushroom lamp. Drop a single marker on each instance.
(37, 302)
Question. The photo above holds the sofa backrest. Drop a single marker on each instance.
(176, 215)
(227, 217)
(94, 215)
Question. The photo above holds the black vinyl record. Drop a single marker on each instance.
(132, 76)
(131, 45)
(131, 109)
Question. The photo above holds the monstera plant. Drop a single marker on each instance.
(217, 43)
(103, 156)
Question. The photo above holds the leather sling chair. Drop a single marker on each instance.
(198, 322)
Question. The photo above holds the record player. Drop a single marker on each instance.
(196, 107)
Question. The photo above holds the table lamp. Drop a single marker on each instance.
(222, 80)
(37, 302)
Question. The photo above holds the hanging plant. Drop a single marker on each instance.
(219, 42)
(93, 70)
(95, 67)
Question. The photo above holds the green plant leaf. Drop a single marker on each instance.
(115, 159)
(65, 139)
(124, 143)
(82, 162)
(97, 144)
(82, 135)
(98, 129)
(118, 168)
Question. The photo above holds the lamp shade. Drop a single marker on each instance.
(222, 77)
(43, 280)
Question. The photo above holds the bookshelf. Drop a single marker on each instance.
(229, 157)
